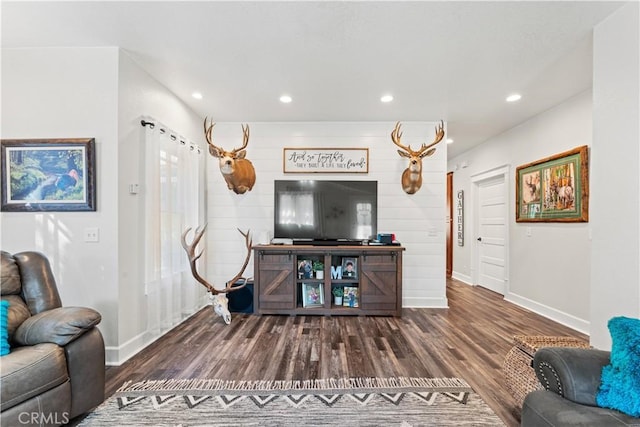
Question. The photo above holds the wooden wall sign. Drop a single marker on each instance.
(325, 160)
(460, 212)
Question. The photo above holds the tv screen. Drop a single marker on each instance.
(326, 210)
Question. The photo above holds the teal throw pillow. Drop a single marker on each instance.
(620, 379)
(4, 328)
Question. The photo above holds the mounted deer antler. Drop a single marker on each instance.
(412, 176)
(218, 296)
(237, 171)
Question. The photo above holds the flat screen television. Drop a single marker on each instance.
(325, 211)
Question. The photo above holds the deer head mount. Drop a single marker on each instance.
(218, 297)
(412, 175)
(237, 171)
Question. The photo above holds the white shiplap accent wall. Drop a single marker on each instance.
(418, 220)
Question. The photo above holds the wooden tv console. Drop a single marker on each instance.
(281, 282)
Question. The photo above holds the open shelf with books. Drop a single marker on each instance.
(299, 279)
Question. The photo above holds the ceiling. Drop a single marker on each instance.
(455, 61)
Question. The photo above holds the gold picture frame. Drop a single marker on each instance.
(554, 189)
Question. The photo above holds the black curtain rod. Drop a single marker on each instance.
(173, 137)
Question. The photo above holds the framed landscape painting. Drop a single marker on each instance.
(48, 175)
(554, 189)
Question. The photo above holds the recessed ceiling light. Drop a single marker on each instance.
(196, 95)
(514, 97)
(449, 140)
(285, 99)
(386, 98)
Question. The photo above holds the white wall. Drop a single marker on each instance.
(615, 258)
(140, 94)
(410, 217)
(69, 93)
(99, 93)
(547, 271)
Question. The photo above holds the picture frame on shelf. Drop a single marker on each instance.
(312, 295)
(55, 175)
(554, 189)
(305, 269)
(351, 297)
(349, 268)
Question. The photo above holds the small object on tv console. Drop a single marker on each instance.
(386, 238)
(280, 241)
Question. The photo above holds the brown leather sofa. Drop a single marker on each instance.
(56, 368)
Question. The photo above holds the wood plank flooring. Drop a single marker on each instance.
(469, 340)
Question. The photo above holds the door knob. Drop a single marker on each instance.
(479, 239)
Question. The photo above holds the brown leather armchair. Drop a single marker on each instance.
(56, 368)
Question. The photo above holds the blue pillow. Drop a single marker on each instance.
(620, 379)
(4, 331)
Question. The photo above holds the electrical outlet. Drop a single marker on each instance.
(91, 234)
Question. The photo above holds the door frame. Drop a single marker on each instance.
(476, 180)
(449, 260)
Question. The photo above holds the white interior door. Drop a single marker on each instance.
(491, 233)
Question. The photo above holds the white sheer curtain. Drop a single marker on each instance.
(172, 192)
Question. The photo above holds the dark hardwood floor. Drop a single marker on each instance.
(469, 340)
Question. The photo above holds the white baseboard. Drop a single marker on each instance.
(116, 356)
(425, 302)
(563, 318)
(462, 278)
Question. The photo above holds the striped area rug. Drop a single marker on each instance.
(394, 401)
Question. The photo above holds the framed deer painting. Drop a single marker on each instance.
(554, 189)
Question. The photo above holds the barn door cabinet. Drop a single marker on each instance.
(285, 281)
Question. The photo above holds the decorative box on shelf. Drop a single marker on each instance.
(519, 375)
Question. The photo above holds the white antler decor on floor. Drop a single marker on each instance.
(218, 296)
